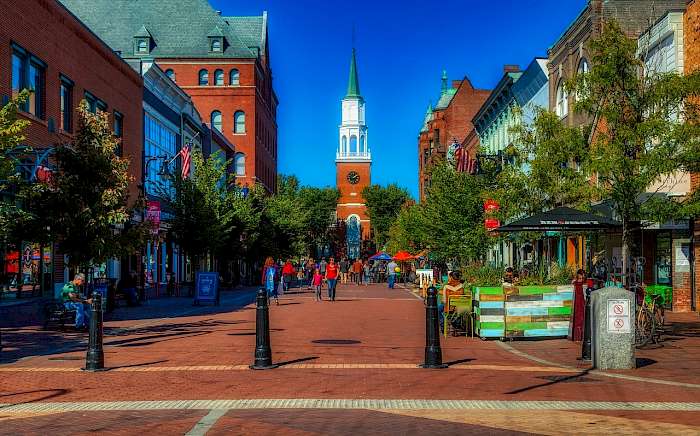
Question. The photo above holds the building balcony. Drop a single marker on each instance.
(354, 155)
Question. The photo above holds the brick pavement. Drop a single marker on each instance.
(363, 346)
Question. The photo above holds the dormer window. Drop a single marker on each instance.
(216, 40)
(143, 42)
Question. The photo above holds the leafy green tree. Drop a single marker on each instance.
(452, 216)
(383, 206)
(204, 209)
(319, 206)
(644, 128)
(12, 216)
(90, 197)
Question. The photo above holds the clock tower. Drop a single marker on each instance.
(353, 162)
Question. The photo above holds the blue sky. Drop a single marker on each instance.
(402, 48)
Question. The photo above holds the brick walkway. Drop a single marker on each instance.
(181, 369)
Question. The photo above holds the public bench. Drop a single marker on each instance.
(57, 314)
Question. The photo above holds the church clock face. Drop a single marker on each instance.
(353, 177)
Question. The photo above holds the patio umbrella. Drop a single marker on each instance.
(380, 256)
(403, 256)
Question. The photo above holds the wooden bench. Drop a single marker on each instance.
(29, 290)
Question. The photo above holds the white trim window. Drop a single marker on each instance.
(562, 104)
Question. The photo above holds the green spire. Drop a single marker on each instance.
(354, 82)
(444, 82)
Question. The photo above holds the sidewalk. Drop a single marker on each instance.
(25, 342)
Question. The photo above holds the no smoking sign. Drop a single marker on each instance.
(618, 316)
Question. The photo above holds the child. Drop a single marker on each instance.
(317, 282)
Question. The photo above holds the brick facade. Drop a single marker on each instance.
(47, 31)
(253, 95)
(566, 55)
(454, 122)
(691, 35)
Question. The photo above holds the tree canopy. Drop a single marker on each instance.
(383, 206)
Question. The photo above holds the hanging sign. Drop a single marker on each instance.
(491, 206)
(153, 215)
(492, 224)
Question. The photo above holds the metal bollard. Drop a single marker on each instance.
(95, 358)
(433, 352)
(263, 352)
(586, 343)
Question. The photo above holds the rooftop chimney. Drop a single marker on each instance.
(510, 68)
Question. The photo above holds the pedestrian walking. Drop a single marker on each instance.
(332, 277)
(317, 282)
(288, 273)
(578, 318)
(73, 300)
(269, 279)
(357, 270)
(322, 266)
(367, 272)
(391, 273)
(344, 268)
(310, 267)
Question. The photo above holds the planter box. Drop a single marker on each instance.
(523, 311)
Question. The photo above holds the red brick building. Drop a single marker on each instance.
(45, 48)
(449, 121)
(691, 36)
(222, 62)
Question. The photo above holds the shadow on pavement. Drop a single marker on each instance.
(136, 365)
(303, 359)
(554, 380)
(19, 344)
(54, 393)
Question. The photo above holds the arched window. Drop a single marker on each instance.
(216, 121)
(562, 107)
(344, 148)
(239, 122)
(363, 148)
(353, 144)
(219, 77)
(239, 162)
(170, 73)
(203, 77)
(234, 78)
(583, 66)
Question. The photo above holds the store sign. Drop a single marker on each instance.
(492, 224)
(153, 215)
(491, 206)
(619, 316)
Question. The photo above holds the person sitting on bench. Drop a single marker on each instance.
(72, 300)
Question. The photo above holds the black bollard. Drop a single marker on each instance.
(95, 358)
(586, 344)
(263, 352)
(433, 352)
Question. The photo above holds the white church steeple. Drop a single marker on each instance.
(353, 144)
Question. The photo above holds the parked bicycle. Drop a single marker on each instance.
(649, 319)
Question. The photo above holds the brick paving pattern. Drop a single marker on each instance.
(366, 345)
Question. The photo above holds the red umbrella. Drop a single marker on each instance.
(403, 256)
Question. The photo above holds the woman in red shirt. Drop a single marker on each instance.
(288, 272)
(332, 278)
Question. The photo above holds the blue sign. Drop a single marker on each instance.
(206, 287)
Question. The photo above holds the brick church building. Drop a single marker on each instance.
(353, 163)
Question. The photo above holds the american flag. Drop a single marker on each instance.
(462, 159)
(186, 155)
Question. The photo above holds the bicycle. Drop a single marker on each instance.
(649, 320)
